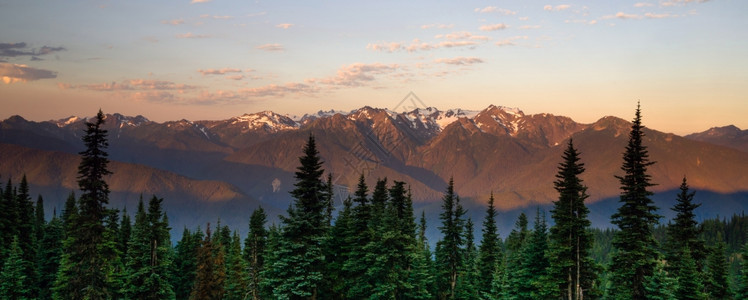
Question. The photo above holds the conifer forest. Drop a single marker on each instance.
(374, 247)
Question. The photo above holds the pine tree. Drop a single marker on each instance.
(254, 251)
(660, 285)
(148, 260)
(236, 276)
(298, 271)
(352, 233)
(528, 276)
(50, 251)
(208, 277)
(684, 233)
(636, 254)
(449, 250)
(125, 230)
(14, 284)
(466, 287)
(421, 278)
(83, 258)
(26, 236)
(689, 278)
(68, 285)
(490, 253)
(571, 266)
(742, 292)
(717, 277)
(185, 263)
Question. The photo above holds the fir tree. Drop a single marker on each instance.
(209, 277)
(148, 260)
(352, 234)
(50, 251)
(26, 236)
(689, 278)
(717, 277)
(742, 292)
(421, 277)
(185, 263)
(659, 286)
(527, 278)
(254, 251)
(466, 287)
(490, 253)
(449, 251)
(14, 284)
(298, 271)
(571, 267)
(684, 233)
(236, 277)
(125, 230)
(636, 254)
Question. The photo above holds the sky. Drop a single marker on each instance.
(685, 61)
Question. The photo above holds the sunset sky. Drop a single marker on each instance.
(685, 60)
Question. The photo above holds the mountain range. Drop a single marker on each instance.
(225, 168)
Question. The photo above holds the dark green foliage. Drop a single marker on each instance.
(466, 287)
(659, 285)
(185, 263)
(449, 250)
(742, 292)
(125, 230)
(210, 274)
(636, 254)
(26, 236)
(148, 257)
(254, 251)
(420, 279)
(298, 270)
(689, 278)
(572, 270)
(527, 275)
(490, 253)
(684, 233)
(717, 282)
(236, 271)
(50, 251)
(14, 284)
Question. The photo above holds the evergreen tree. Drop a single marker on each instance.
(660, 285)
(50, 251)
(68, 285)
(185, 263)
(148, 259)
(254, 251)
(528, 276)
(684, 233)
(26, 236)
(125, 230)
(636, 254)
(490, 253)
(209, 277)
(352, 232)
(742, 292)
(571, 267)
(449, 250)
(466, 287)
(5, 223)
(236, 276)
(83, 258)
(717, 277)
(298, 271)
(39, 221)
(689, 281)
(14, 284)
(421, 277)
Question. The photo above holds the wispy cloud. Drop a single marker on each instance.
(659, 16)
(257, 14)
(357, 74)
(218, 71)
(510, 41)
(621, 15)
(216, 17)
(199, 1)
(12, 73)
(494, 9)
(462, 35)
(440, 26)
(173, 22)
(681, 2)
(22, 49)
(559, 7)
(191, 35)
(493, 27)
(284, 25)
(418, 45)
(461, 61)
(529, 27)
(271, 47)
(131, 85)
(643, 4)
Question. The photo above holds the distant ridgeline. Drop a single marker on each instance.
(373, 245)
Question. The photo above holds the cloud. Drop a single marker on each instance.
(131, 85)
(440, 26)
(659, 16)
(218, 71)
(460, 61)
(271, 47)
(494, 9)
(173, 22)
(284, 25)
(199, 1)
(681, 2)
(643, 4)
(216, 17)
(621, 15)
(12, 73)
(191, 35)
(279, 90)
(357, 74)
(262, 13)
(559, 7)
(22, 49)
(462, 35)
(235, 77)
(418, 45)
(529, 27)
(510, 41)
(493, 27)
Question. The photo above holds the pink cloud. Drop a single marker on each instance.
(271, 47)
(284, 25)
(218, 71)
(461, 61)
(494, 9)
(493, 27)
(191, 35)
